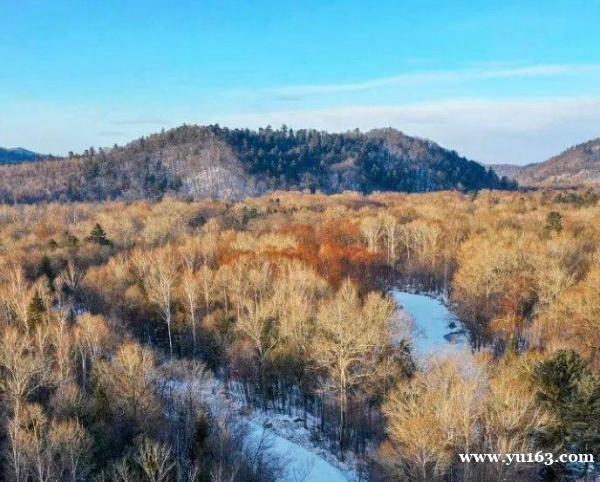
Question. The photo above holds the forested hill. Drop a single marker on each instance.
(235, 163)
(18, 155)
(578, 165)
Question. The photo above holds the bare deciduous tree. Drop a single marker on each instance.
(154, 460)
(191, 297)
(370, 228)
(130, 380)
(351, 337)
(159, 272)
(391, 231)
(431, 418)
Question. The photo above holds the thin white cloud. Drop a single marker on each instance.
(516, 131)
(296, 92)
(140, 121)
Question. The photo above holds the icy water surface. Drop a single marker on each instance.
(436, 329)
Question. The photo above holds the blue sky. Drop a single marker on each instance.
(497, 81)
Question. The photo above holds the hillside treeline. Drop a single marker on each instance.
(121, 322)
(223, 163)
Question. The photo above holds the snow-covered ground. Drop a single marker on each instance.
(303, 464)
(433, 329)
(305, 455)
(307, 459)
(284, 436)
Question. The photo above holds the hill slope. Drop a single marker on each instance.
(510, 171)
(232, 164)
(578, 165)
(18, 155)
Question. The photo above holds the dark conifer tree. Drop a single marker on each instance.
(567, 387)
(98, 236)
(46, 269)
(35, 310)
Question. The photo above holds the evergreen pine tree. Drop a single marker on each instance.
(98, 236)
(35, 310)
(554, 221)
(70, 240)
(567, 387)
(45, 269)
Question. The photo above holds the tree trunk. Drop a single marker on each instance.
(193, 316)
(83, 371)
(169, 331)
(342, 421)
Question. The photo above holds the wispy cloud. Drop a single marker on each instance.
(112, 133)
(140, 121)
(299, 92)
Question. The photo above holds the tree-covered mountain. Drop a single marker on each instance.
(223, 163)
(576, 166)
(18, 155)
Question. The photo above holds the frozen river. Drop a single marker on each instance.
(301, 464)
(435, 328)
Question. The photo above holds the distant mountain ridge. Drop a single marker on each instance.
(18, 155)
(578, 165)
(222, 163)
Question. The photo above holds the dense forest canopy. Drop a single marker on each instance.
(128, 330)
(19, 155)
(224, 163)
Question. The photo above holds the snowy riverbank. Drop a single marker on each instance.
(281, 435)
(425, 318)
